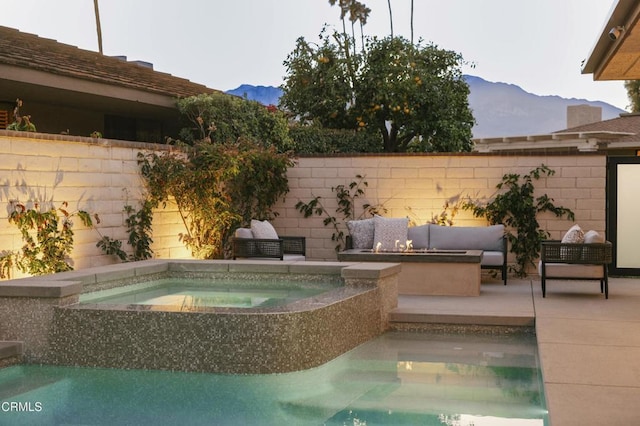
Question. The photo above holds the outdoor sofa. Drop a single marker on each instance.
(366, 234)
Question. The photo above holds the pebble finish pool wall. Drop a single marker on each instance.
(304, 334)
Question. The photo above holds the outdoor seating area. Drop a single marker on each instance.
(436, 260)
(391, 235)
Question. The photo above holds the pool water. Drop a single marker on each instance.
(400, 378)
(229, 293)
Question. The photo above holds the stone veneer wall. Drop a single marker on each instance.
(101, 176)
(95, 175)
(418, 186)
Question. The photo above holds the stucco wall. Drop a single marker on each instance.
(101, 176)
(418, 186)
(94, 175)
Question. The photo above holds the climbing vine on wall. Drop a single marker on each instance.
(346, 196)
(139, 227)
(217, 188)
(47, 236)
(517, 208)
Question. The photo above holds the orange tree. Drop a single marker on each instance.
(414, 95)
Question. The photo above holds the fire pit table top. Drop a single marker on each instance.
(423, 256)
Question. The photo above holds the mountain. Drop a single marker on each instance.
(503, 109)
(266, 95)
(500, 109)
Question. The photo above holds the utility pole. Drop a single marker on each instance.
(411, 21)
(98, 28)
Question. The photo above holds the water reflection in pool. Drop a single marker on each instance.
(400, 378)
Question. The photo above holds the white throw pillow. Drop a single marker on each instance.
(592, 236)
(574, 235)
(361, 232)
(389, 230)
(262, 229)
(244, 233)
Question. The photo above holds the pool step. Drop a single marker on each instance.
(416, 316)
(401, 396)
(10, 353)
(10, 349)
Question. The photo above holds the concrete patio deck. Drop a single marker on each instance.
(589, 347)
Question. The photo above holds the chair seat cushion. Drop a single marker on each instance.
(290, 257)
(294, 257)
(568, 270)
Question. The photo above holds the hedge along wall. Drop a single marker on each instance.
(95, 175)
(418, 186)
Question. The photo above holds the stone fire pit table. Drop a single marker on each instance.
(429, 272)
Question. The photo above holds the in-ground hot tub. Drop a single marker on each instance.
(221, 290)
(351, 308)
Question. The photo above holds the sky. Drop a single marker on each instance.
(538, 45)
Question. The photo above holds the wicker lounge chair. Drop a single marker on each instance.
(281, 248)
(575, 261)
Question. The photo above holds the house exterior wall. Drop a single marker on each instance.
(94, 175)
(418, 186)
(102, 176)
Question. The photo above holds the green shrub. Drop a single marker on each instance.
(221, 118)
(318, 140)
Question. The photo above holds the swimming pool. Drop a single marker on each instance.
(400, 378)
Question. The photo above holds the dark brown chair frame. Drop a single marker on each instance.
(576, 254)
(268, 248)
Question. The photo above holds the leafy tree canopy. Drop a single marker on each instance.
(414, 95)
(633, 93)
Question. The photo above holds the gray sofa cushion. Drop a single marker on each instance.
(488, 238)
(419, 236)
(492, 258)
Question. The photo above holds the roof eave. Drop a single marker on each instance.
(624, 13)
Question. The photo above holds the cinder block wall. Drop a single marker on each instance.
(95, 175)
(418, 186)
(102, 176)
